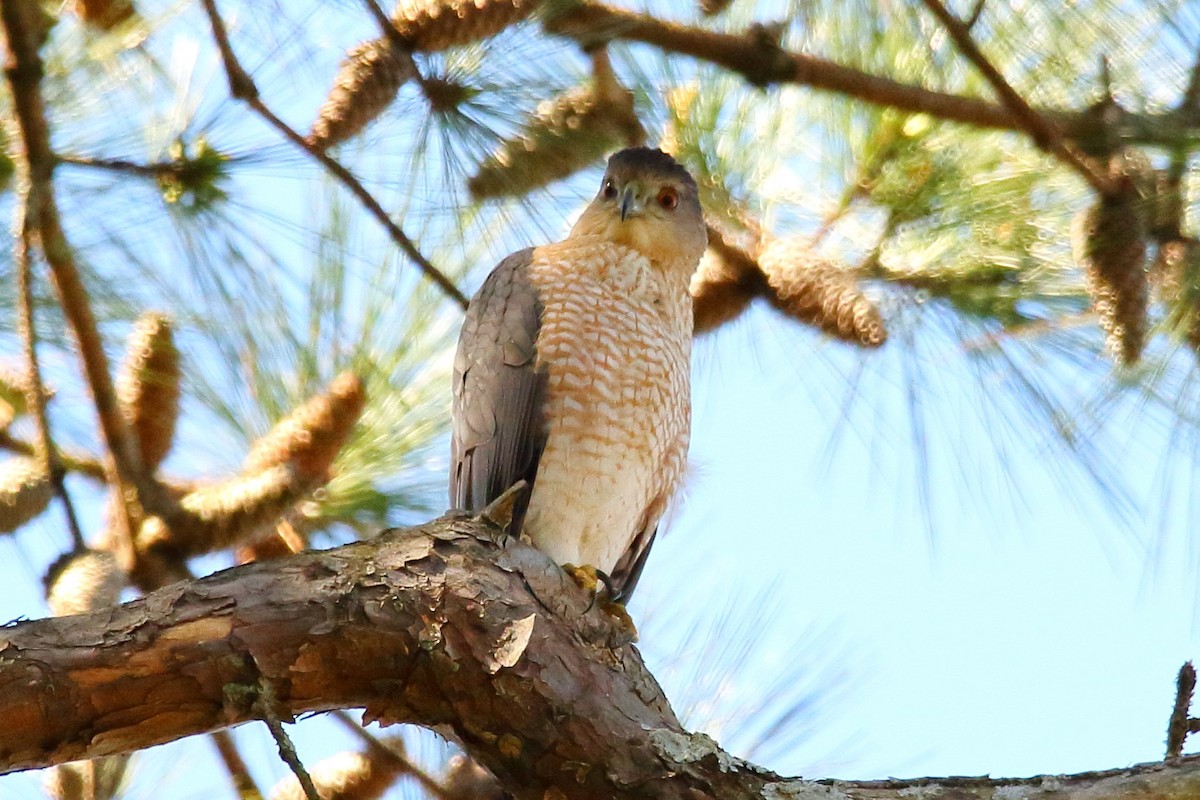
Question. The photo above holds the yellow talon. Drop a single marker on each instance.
(585, 577)
(621, 617)
(590, 580)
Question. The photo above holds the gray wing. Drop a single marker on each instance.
(628, 569)
(498, 429)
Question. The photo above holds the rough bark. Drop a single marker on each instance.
(444, 625)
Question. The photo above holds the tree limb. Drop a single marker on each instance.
(1045, 134)
(241, 87)
(446, 625)
(23, 69)
(763, 62)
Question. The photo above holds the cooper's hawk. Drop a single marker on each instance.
(572, 373)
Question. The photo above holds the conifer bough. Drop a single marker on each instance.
(236, 511)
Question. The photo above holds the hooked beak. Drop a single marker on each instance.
(630, 204)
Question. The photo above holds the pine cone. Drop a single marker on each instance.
(1108, 243)
(310, 437)
(83, 581)
(466, 780)
(817, 292)
(236, 511)
(1176, 275)
(445, 95)
(724, 283)
(287, 539)
(345, 776)
(711, 8)
(25, 491)
(104, 14)
(369, 80)
(432, 25)
(564, 135)
(98, 779)
(14, 389)
(148, 387)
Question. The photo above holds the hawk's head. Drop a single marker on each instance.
(648, 202)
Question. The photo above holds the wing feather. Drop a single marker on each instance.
(498, 429)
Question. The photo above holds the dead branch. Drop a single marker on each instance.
(445, 625)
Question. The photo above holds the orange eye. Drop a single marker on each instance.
(668, 198)
(609, 190)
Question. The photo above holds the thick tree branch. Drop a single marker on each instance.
(241, 87)
(761, 61)
(441, 625)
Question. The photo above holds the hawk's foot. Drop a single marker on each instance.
(587, 578)
(621, 617)
(591, 580)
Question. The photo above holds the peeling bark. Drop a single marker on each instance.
(445, 625)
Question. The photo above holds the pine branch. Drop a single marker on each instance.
(241, 87)
(157, 169)
(416, 626)
(762, 62)
(23, 69)
(35, 389)
(1045, 135)
(264, 706)
(84, 465)
(1179, 725)
(239, 773)
(379, 750)
(1189, 104)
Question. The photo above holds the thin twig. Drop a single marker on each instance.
(246, 788)
(35, 388)
(1178, 727)
(380, 748)
(84, 465)
(1045, 134)
(23, 69)
(241, 87)
(1189, 110)
(287, 751)
(1189, 104)
(976, 13)
(402, 46)
(152, 170)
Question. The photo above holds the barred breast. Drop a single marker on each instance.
(615, 340)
